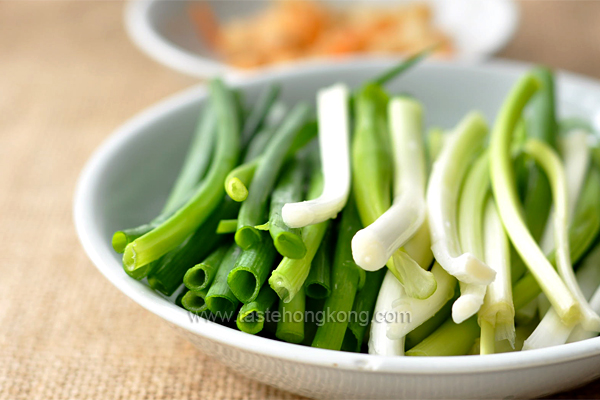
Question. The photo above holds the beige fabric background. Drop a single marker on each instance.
(68, 77)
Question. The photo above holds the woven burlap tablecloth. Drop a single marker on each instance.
(68, 77)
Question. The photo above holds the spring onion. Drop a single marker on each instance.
(551, 331)
(289, 276)
(318, 282)
(584, 229)
(226, 226)
(187, 219)
(290, 327)
(421, 310)
(346, 278)
(334, 133)
(259, 113)
(442, 196)
(470, 229)
(200, 276)
(362, 309)
(576, 157)
(372, 172)
(251, 270)
(550, 162)
(508, 203)
(251, 318)
(220, 299)
(450, 339)
(497, 315)
(194, 167)
(373, 246)
(168, 271)
(419, 334)
(379, 343)
(289, 188)
(194, 301)
(254, 207)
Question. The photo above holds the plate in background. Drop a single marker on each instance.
(163, 30)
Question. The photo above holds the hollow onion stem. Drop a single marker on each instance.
(254, 207)
(289, 276)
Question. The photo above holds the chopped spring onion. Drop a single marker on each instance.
(254, 207)
(288, 278)
(168, 271)
(507, 200)
(238, 180)
(200, 276)
(334, 137)
(251, 318)
(442, 197)
(227, 226)
(220, 299)
(186, 220)
(550, 162)
(251, 270)
(289, 188)
(194, 301)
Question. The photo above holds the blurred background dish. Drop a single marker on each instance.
(207, 38)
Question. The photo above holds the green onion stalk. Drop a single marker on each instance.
(251, 318)
(220, 300)
(194, 167)
(251, 270)
(346, 278)
(289, 189)
(507, 200)
(169, 270)
(201, 275)
(254, 207)
(289, 276)
(318, 282)
(582, 233)
(290, 327)
(186, 220)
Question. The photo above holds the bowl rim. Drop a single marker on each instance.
(139, 28)
(83, 214)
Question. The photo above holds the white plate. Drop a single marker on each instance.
(119, 187)
(162, 29)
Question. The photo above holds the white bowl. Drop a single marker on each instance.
(163, 30)
(125, 181)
